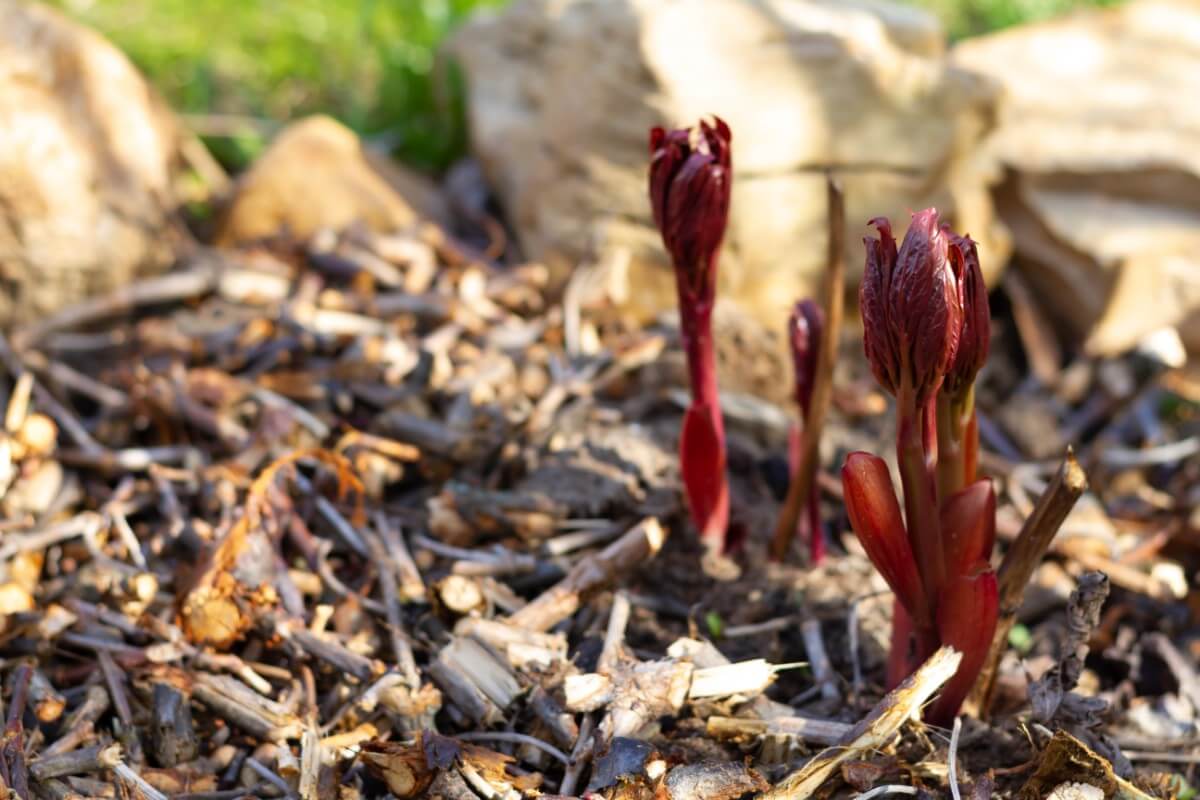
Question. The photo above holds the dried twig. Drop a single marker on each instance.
(1019, 564)
(834, 299)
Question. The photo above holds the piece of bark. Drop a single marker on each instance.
(711, 781)
(174, 741)
(46, 702)
(520, 646)
(638, 545)
(1066, 759)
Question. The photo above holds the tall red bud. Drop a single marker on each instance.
(911, 310)
(690, 182)
(925, 315)
(806, 326)
(806, 329)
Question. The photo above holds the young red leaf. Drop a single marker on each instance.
(969, 527)
(875, 516)
(966, 619)
(702, 462)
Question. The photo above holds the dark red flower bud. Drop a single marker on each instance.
(975, 337)
(690, 182)
(967, 612)
(806, 326)
(968, 521)
(911, 309)
(875, 516)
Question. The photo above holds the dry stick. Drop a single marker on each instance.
(80, 762)
(875, 730)
(65, 419)
(199, 280)
(580, 755)
(401, 649)
(1019, 564)
(818, 659)
(802, 481)
(639, 544)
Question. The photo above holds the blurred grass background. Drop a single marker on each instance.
(240, 67)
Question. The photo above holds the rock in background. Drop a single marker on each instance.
(561, 95)
(1099, 137)
(317, 175)
(87, 156)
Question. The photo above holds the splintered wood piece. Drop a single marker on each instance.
(642, 693)
(477, 683)
(481, 667)
(817, 731)
(638, 545)
(520, 646)
(745, 678)
(875, 730)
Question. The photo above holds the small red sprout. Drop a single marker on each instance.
(926, 325)
(690, 181)
(806, 327)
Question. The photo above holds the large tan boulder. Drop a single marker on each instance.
(316, 175)
(562, 93)
(87, 152)
(1101, 145)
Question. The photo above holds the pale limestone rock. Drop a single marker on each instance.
(1099, 145)
(87, 156)
(562, 93)
(316, 175)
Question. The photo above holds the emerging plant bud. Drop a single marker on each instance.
(806, 326)
(690, 183)
(975, 336)
(912, 312)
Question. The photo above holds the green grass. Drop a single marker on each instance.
(963, 18)
(370, 63)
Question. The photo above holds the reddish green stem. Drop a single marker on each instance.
(957, 442)
(914, 441)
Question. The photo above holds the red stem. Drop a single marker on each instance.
(914, 441)
(816, 531)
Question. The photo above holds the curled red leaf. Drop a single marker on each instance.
(875, 516)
